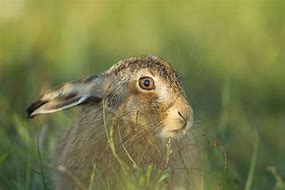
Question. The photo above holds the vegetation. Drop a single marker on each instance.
(230, 55)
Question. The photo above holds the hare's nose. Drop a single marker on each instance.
(184, 120)
(183, 112)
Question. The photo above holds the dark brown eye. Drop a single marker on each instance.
(146, 83)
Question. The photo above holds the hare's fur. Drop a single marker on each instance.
(145, 125)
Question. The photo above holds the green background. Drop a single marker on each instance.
(230, 55)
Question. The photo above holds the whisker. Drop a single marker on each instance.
(138, 135)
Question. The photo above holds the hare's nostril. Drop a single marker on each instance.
(185, 121)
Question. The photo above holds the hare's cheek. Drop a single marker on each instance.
(114, 101)
(172, 123)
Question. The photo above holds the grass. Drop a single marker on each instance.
(252, 164)
(228, 53)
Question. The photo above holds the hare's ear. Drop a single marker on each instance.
(90, 89)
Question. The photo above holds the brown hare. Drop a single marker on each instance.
(142, 102)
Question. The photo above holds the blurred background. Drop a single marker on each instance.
(230, 55)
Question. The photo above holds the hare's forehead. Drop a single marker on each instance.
(134, 68)
(146, 72)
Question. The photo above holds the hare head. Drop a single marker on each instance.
(143, 91)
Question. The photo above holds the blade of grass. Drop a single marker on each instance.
(45, 186)
(253, 163)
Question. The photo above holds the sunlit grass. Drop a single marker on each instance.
(230, 55)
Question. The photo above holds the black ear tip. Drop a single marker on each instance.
(29, 116)
(33, 107)
(29, 112)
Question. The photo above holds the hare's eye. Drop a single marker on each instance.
(146, 83)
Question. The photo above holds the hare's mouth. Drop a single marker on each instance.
(176, 131)
(172, 133)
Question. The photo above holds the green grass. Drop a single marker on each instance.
(229, 53)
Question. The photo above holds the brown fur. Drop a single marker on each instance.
(85, 144)
(145, 123)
